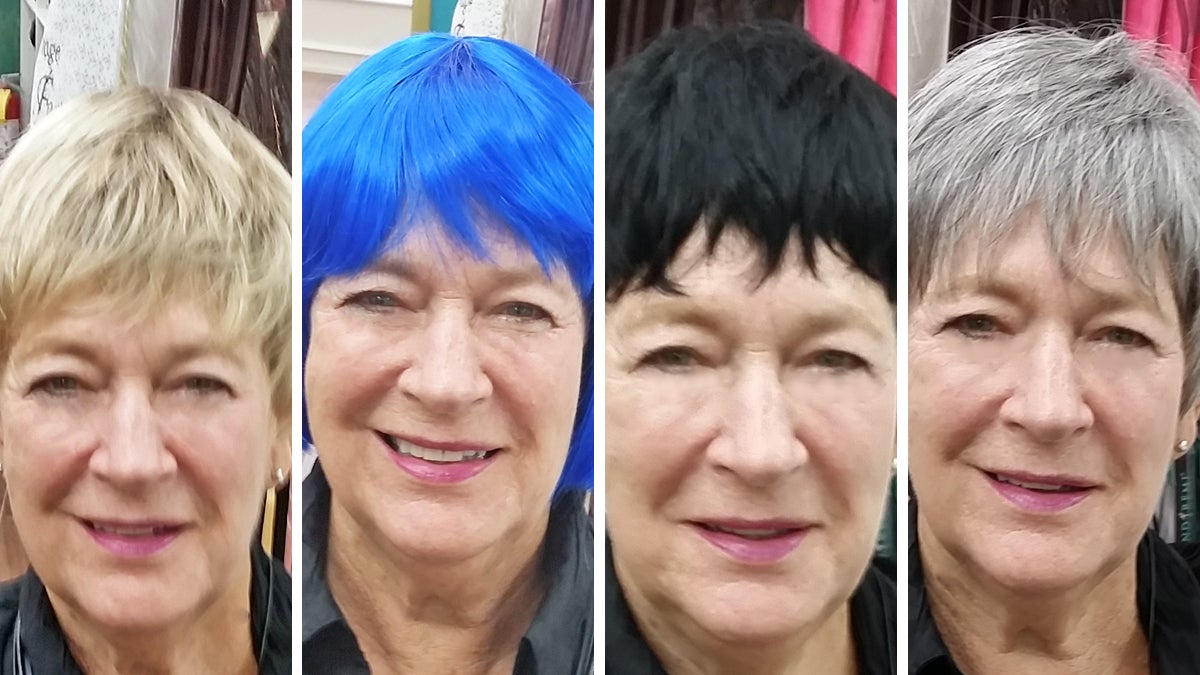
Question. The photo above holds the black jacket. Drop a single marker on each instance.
(1168, 599)
(44, 648)
(558, 642)
(872, 619)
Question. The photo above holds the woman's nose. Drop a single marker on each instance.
(1047, 398)
(446, 374)
(759, 443)
(133, 448)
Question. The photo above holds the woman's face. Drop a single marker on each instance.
(749, 439)
(1044, 409)
(441, 393)
(137, 456)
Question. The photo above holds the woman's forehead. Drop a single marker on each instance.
(428, 252)
(1021, 261)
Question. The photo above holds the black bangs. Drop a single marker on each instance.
(754, 127)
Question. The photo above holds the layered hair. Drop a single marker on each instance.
(755, 128)
(1098, 140)
(143, 198)
(471, 134)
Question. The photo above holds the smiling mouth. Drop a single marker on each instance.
(1038, 486)
(753, 534)
(433, 455)
(133, 531)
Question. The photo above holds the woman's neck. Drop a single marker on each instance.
(414, 616)
(685, 648)
(988, 629)
(216, 640)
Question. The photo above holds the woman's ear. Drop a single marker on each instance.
(281, 454)
(1187, 427)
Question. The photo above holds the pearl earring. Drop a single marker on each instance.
(1183, 446)
(279, 477)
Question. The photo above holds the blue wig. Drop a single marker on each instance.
(460, 131)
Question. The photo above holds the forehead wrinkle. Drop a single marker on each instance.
(1103, 288)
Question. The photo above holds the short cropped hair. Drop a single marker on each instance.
(1098, 138)
(754, 127)
(145, 197)
(472, 133)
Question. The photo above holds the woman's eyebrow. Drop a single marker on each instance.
(975, 284)
(1101, 296)
(57, 345)
(175, 352)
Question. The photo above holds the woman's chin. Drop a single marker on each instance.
(754, 619)
(1038, 573)
(138, 611)
(447, 541)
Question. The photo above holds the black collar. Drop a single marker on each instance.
(45, 649)
(872, 620)
(1168, 599)
(558, 642)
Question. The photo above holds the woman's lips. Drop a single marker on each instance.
(762, 542)
(132, 539)
(438, 462)
(1040, 493)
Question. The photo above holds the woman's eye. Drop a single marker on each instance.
(671, 358)
(975, 325)
(205, 386)
(835, 359)
(1125, 337)
(373, 300)
(56, 385)
(523, 311)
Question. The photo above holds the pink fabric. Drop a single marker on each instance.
(1174, 25)
(861, 31)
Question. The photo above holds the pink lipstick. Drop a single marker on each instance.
(438, 462)
(753, 542)
(1040, 493)
(132, 540)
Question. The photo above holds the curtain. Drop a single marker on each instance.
(266, 98)
(566, 42)
(633, 24)
(1174, 25)
(215, 38)
(219, 52)
(861, 31)
(973, 19)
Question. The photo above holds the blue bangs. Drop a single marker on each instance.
(473, 134)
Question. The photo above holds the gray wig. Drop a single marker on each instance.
(1100, 139)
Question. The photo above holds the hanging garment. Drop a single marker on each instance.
(973, 19)
(216, 39)
(861, 31)
(1174, 25)
(928, 39)
(566, 42)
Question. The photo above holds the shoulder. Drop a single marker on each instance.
(873, 618)
(10, 596)
(1190, 554)
(884, 568)
(273, 613)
